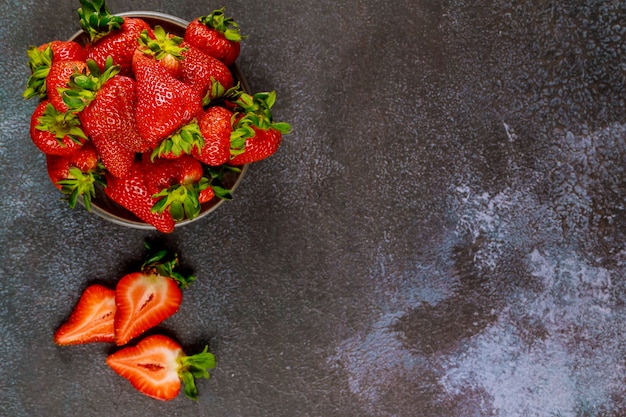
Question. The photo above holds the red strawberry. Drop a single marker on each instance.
(215, 35)
(117, 159)
(148, 297)
(76, 174)
(40, 60)
(112, 114)
(179, 143)
(91, 319)
(130, 192)
(264, 143)
(164, 48)
(261, 136)
(216, 128)
(157, 364)
(110, 36)
(58, 78)
(206, 195)
(202, 71)
(105, 103)
(164, 104)
(176, 184)
(65, 50)
(55, 133)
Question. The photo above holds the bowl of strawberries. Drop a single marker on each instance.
(145, 119)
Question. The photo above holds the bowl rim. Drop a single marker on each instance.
(107, 215)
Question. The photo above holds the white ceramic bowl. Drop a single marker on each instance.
(110, 210)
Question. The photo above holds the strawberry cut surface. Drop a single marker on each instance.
(91, 320)
(157, 365)
(151, 366)
(143, 299)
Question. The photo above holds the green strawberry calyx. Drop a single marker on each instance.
(181, 142)
(81, 184)
(61, 125)
(182, 200)
(167, 264)
(225, 25)
(39, 62)
(216, 176)
(83, 87)
(192, 367)
(162, 46)
(96, 20)
(253, 111)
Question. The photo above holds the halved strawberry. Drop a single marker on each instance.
(157, 365)
(147, 297)
(215, 35)
(91, 320)
(130, 192)
(55, 133)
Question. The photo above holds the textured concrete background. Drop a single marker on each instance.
(442, 235)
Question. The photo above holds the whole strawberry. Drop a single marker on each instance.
(261, 136)
(131, 193)
(205, 73)
(58, 79)
(76, 174)
(55, 133)
(215, 35)
(164, 103)
(105, 103)
(216, 129)
(175, 184)
(165, 48)
(110, 36)
(40, 59)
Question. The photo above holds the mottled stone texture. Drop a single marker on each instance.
(441, 235)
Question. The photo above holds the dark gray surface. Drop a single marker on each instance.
(442, 234)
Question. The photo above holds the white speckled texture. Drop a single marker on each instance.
(442, 234)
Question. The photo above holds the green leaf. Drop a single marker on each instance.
(195, 366)
(96, 20)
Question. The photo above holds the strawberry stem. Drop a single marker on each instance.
(80, 184)
(181, 142)
(256, 110)
(61, 125)
(226, 25)
(82, 87)
(162, 45)
(181, 200)
(195, 366)
(96, 20)
(166, 264)
(39, 63)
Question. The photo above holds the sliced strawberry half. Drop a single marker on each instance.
(148, 297)
(91, 319)
(157, 365)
